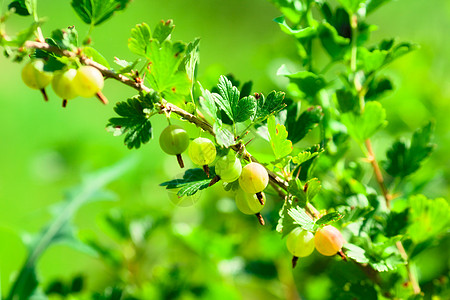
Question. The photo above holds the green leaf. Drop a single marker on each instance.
(309, 83)
(23, 7)
(23, 36)
(372, 5)
(285, 222)
(133, 120)
(163, 30)
(335, 45)
(300, 33)
(58, 229)
(66, 38)
(303, 157)
(125, 66)
(377, 88)
(224, 137)
(312, 187)
(370, 61)
(348, 102)
(191, 59)
(301, 218)
(405, 158)
(228, 100)
(299, 127)
(428, 218)
(281, 146)
(96, 56)
(139, 41)
(268, 106)
(351, 5)
(163, 75)
(361, 127)
(193, 181)
(329, 218)
(95, 12)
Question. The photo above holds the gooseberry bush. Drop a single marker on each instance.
(324, 198)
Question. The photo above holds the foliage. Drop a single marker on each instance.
(307, 135)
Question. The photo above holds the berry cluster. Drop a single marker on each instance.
(86, 81)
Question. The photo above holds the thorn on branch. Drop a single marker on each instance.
(102, 98)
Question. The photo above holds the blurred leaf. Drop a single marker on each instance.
(23, 7)
(140, 38)
(281, 146)
(403, 159)
(396, 223)
(301, 218)
(348, 102)
(363, 126)
(372, 5)
(224, 137)
(125, 66)
(95, 12)
(193, 180)
(329, 218)
(377, 88)
(298, 128)
(191, 59)
(21, 37)
(268, 106)
(370, 61)
(303, 157)
(312, 187)
(66, 38)
(428, 218)
(335, 45)
(295, 188)
(133, 120)
(57, 230)
(163, 30)
(297, 33)
(95, 56)
(285, 222)
(351, 5)
(309, 83)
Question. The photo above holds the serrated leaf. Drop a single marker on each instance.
(140, 38)
(363, 126)
(356, 253)
(163, 30)
(295, 188)
(378, 87)
(299, 127)
(125, 66)
(285, 223)
(301, 218)
(163, 75)
(66, 38)
(193, 181)
(191, 59)
(268, 106)
(229, 101)
(370, 61)
(95, 12)
(428, 218)
(329, 218)
(313, 187)
(224, 137)
(95, 56)
(306, 32)
(281, 146)
(404, 159)
(133, 120)
(348, 102)
(303, 157)
(335, 45)
(308, 83)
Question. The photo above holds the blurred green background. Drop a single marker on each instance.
(45, 148)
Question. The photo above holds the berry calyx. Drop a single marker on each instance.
(328, 240)
(202, 152)
(174, 140)
(62, 84)
(34, 76)
(228, 167)
(88, 82)
(300, 242)
(254, 179)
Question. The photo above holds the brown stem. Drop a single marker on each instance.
(180, 160)
(64, 103)
(260, 219)
(378, 175)
(294, 261)
(260, 197)
(44, 94)
(214, 180)
(206, 169)
(102, 98)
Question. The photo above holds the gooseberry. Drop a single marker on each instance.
(202, 152)
(254, 179)
(34, 76)
(88, 81)
(328, 240)
(300, 242)
(174, 140)
(248, 203)
(228, 167)
(62, 84)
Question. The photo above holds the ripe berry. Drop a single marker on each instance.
(254, 179)
(228, 167)
(62, 84)
(328, 240)
(248, 203)
(174, 140)
(300, 242)
(34, 76)
(88, 81)
(202, 152)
